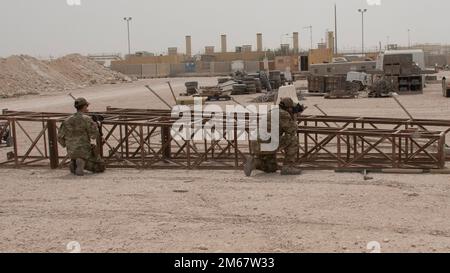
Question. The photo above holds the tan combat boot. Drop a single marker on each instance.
(249, 165)
(80, 163)
(290, 170)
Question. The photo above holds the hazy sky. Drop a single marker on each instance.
(52, 27)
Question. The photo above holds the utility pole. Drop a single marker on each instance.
(128, 19)
(310, 34)
(362, 11)
(409, 38)
(335, 31)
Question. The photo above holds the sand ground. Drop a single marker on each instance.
(199, 211)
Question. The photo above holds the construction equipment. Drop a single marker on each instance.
(394, 96)
(213, 93)
(159, 97)
(191, 88)
(171, 91)
(404, 68)
(382, 87)
(342, 68)
(335, 87)
(359, 78)
(249, 83)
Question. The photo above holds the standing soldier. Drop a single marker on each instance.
(267, 162)
(75, 134)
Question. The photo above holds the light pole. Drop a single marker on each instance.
(335, 30)
(128, 19)
(362, 11)
(409, 38)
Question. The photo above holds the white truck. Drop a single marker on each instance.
(360, 78)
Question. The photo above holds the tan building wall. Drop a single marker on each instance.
(372, 56)
(321, 55)
(176, 69)
(163, 70)
(251, 66)
(127, 69)
(220, 67)
(284, 62)
(173, 59)
(149, 70)
(236, 56)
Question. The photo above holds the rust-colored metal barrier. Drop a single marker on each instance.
(142, 138)
(5, 134)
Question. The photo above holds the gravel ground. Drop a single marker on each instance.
(194, 211)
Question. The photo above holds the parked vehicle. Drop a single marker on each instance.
(360, 78)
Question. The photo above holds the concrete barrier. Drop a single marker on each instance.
(149, 71)
(163, 70)
(177, 69)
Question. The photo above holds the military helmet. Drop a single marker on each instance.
(80, 102)
(286, 103)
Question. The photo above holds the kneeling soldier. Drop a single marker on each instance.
(75, 134)
(267, 161)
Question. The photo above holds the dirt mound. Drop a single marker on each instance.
(21, 75)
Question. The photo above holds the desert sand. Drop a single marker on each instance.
(42, 210)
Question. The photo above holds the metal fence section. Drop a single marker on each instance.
(142, 138)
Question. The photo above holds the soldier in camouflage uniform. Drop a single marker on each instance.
(267, 162)
(75, 134)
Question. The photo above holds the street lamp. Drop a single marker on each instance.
(362, 11)
(128, 19)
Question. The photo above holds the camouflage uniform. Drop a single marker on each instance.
(267, 162)
(75, 134)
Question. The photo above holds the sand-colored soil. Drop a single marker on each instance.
(222, 211)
